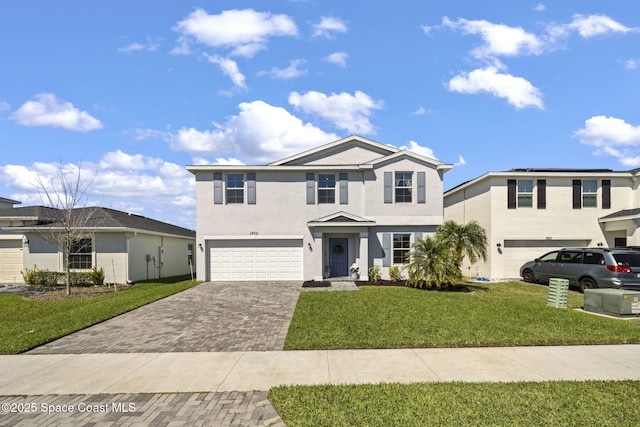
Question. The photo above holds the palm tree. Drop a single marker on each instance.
(469, 239)
(431, 263)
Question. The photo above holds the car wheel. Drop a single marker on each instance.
(587, 283)
(527, 276)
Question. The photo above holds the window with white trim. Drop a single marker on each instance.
(401, 248)
(589, 193)
(80, 257)
(235, 188)
(403, 186)
(326, 188)
(525, 193)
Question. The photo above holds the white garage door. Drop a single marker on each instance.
(256, 260)
(517, 252)
(11, 261)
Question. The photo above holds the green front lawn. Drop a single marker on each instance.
(592, 403)
(25, 324)
(500, 314)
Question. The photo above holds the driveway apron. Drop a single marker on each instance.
(230, 316)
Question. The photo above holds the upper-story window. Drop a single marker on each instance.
(525, 193)
(326, 188)
(403, 187)
(81, 254)
(589, 193)
(235, 188)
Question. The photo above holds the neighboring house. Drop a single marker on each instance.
(314, 214)
(128, 247)
(527, 212)
(7, 203)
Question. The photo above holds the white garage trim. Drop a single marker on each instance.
(517, 252)
(11, 261)
(255, 259)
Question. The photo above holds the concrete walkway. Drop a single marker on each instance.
(248, 371)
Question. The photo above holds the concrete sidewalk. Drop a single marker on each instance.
(114, 373)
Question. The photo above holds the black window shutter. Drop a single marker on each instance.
(511, 194)
(606, 194)
(542, 194)
(577, 194)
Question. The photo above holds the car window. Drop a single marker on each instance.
(593, 258)
(631, 259)
(550, 257)
(570, 257)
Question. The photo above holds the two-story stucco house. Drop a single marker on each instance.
(312, 215)
(527, 212)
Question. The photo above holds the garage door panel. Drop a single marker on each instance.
(256, 260)
(11, 261)
(517, 252)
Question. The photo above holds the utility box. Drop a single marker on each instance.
(614, 302)
(558, 293)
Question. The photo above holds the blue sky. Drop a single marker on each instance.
(134, 91)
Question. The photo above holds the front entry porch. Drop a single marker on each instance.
(344, 239)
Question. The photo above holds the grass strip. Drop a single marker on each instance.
(25, 324)
(588, 403)
(502, 314)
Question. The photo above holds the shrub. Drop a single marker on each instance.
(395, 274)
(97, 276)
(374, 273)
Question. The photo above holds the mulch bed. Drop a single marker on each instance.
(316, 284)
(76, 293)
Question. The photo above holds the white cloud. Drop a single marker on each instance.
(499, 39)
(48, 110)
(291, 72)
(421, 111)
(595, 25)
(518, 91)
(540, 7)
(602, 131)
(243, 32)
(4, 106)
(230, 69)
(631, 64)
(609, 133)
(418, 149)
(149, 46)
(329, 25)
(339, 58)
(461, 161)
(260, 133)
(345, 111)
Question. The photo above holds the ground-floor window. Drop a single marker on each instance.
(81, 254)
(401, 247)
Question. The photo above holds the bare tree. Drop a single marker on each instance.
(66, 193)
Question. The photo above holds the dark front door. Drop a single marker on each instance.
(339, 257)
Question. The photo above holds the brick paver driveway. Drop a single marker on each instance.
(238, 316)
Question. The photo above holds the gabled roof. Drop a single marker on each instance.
(406, 153)
(341, 218)
(335, 144)
(95, 218)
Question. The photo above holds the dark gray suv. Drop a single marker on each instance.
(587, 268)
